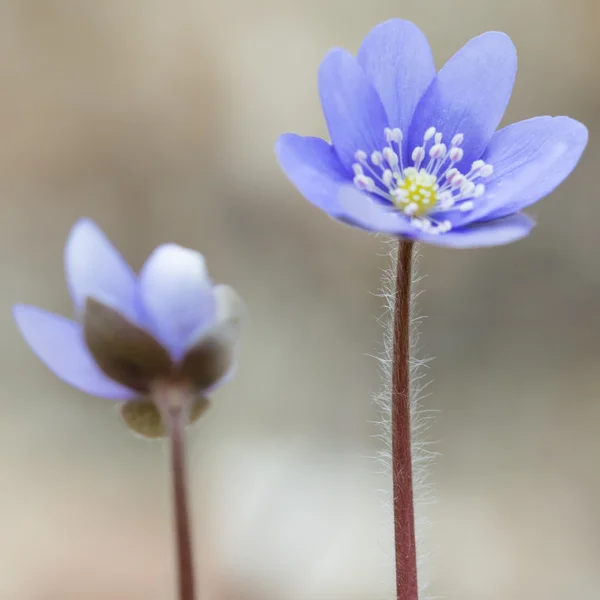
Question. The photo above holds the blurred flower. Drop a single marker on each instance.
(416, 154)
(168, 324)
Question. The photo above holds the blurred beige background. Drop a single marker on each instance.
(157, 119)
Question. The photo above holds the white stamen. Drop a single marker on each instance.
(438, 151)
(397, 132)
(400, 194)
(457, 180)
(387, 178)
(376, 158)
(363, 182)
(422, 187)
(486, 171)
(467, 188)
(446, 201)
(418, 154)
(411, 209)
(456, 154)
(390, 156)
(429, 134)
(450, 173)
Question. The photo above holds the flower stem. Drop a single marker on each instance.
(174, 405)
(404, 513)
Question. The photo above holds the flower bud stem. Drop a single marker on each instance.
(404, 514)
(174, 405)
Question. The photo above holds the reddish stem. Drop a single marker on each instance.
(404, 513)
(174, 405)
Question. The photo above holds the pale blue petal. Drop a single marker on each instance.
(360, 210)
(397, 59)
(479, 235)
(354, 113)
(530, 160)
(94, 268)
(469, 95)
(59, 344)
(313, 167)
(178, 297)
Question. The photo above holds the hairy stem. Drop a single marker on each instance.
(404, 513)
(174, 406)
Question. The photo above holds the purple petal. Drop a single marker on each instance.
(313, 167)
(177, 295)
(469, 95)
(530, 159)
(354, 113)
(359, 210)
(479, 235)
(58, 342)
(95, 268)
(398, 61)
(362, 211)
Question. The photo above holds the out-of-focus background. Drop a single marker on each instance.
(158, 119)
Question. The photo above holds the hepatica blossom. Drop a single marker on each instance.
(415, 153)
(131, 332)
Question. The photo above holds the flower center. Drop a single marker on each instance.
(416, 194)
(428, 186)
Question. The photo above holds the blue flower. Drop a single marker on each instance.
(416, 154)
(170, 322)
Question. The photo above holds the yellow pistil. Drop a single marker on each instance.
(416, 193)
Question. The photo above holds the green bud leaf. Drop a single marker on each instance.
(209, 359)
(143, 418)
(125, 352)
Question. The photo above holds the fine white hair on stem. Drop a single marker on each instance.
(421, 449)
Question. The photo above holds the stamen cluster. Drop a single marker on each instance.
(433, 184)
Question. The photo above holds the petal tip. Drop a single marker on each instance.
(282, 144)
(22, 312)
(332, 61)
(177, 295)
(396, 24)
(579, 133)
(500, 37)
(94, 267)
(84, 226)
(19, 312)
(82, 230)
(172, 256)
(495, 42)
(583, 133)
